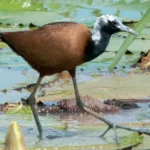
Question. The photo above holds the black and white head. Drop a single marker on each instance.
(111, 24)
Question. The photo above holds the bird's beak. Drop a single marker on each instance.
(127, 29)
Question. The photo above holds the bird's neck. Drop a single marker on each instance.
(97, 44)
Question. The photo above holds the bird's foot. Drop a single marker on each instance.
(115, 126)
(112, 126)
(41, 136)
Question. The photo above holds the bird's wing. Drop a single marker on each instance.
(50, 44)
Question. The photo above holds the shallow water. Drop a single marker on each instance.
(81, 129)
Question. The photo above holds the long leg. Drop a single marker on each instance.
(32, 103)
(86, 109)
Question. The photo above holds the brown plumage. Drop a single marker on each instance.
(60, 46)
(46, 47)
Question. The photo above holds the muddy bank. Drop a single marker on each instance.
(69, 105)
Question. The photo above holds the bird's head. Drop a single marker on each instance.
(111, 24)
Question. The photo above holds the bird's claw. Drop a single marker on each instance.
(111, 126)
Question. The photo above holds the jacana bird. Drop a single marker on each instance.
(60, 46)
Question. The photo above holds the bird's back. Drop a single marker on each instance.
(54, 47)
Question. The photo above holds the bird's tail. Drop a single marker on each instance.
(1, 37)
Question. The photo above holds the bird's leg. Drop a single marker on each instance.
(110, 124)
(32, 103)
(103, 134)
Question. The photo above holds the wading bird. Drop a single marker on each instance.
(60, 46)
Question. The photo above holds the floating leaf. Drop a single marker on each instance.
(20, 110)
(40, 12)
(126, 142)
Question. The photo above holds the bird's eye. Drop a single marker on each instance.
(115, 23)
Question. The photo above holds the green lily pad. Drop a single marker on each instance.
(26, 11)
(23, 110)
(126, 142)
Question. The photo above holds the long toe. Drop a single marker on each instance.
(116, 135)
(103, 134)
(111, 126)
